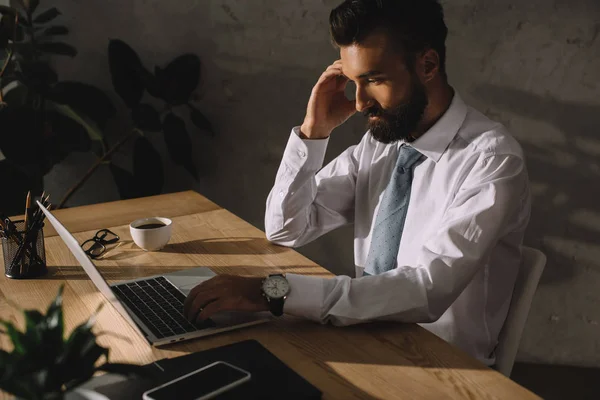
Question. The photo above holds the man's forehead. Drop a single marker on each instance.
(360, 59)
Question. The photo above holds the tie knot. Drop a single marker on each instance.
(408, 157)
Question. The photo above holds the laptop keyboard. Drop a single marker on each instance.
(159, 304)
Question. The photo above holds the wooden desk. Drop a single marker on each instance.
(383, 360)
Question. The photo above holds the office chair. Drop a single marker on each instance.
(533, 262)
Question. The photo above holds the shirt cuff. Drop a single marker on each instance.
(304, 153)
(305, 298)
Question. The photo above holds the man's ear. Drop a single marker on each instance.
(428, 65)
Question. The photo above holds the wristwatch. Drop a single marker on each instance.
(275, 288)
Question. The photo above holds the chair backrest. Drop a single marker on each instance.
(532, 265)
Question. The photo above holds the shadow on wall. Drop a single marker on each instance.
(565, 220)
(267, 101)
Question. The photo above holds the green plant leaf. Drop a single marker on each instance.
(201, 121)
(179, 143)
(5, 359)
(34, 325)
(147, 167)
(47, 16)
(94, 132)
(178, 80)
(126, 71)
(56, 30)
(17, 338)
(146, 118)
(15, 93)
(59, 48)
(84, 99)
(57, 302)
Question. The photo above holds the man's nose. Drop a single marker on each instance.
(363, 101)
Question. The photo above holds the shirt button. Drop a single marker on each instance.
(301, 153)
(281, 194)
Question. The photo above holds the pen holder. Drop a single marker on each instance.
(31, 263)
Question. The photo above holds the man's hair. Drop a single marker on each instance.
(415, 25)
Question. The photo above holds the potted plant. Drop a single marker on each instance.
(43, 365)
(43, 118)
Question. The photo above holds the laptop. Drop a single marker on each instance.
(153, 306)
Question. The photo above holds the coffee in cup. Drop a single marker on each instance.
(151, 234)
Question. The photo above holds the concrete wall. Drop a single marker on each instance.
(533, 65)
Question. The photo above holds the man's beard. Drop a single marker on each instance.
(402, 121)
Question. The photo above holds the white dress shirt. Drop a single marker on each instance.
(460, 248)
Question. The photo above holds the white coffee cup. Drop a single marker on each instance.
(151, 239)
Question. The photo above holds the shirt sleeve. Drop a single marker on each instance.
(486, 207)
(304, 202)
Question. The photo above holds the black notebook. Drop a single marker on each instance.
(271, 378)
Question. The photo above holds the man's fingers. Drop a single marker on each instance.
(327, 77)
(199, 302)
(210, 309)
(205, 286)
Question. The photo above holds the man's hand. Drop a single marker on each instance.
(224, 293)
(328, 106)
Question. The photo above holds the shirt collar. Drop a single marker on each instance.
(435, 141)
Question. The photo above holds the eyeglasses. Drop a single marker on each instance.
(95, 246)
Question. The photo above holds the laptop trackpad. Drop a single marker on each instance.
(187, 279)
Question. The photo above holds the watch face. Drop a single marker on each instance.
(276, 287)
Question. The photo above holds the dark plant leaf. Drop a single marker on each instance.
(23, 20)
(147, 168)
(179, 79)
(80, 343)
(127, 71)
(54, 321)
(20, 33)
(47, 16)
(7, 26)
(146, 118)
(59, 48)
(125, 182)
(62, 136)
(201, 121)
(85, 99)
(19, 389)
(5, 358)
(20, 142)
(38, 76)
(6, 10)
(34, 325)
(179, 143)
(31, 5)
(56, 30)
(152, 84)
(32, 319)
(19, 181)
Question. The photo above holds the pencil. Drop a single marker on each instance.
(27, 211)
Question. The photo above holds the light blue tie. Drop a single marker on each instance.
(385, 240)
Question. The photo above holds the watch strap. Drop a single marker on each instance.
(276, 306)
